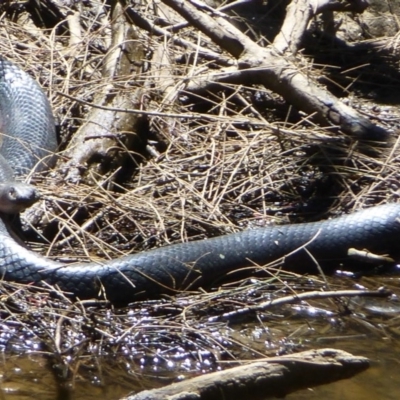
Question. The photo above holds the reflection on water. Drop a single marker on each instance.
(31, 377)
(150, 357)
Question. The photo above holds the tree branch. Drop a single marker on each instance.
(279, 74)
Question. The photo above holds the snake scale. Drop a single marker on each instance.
(27, 123)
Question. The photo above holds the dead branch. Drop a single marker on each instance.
(268, 66)
(106, 133)
(273, 377)
(298, 16)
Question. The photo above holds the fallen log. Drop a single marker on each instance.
(272, 377)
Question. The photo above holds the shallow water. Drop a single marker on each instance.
(31, 377)
(28, 371)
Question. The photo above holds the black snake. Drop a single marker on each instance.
(26, 121)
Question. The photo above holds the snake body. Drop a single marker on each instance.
(26, 121)
(174, 268)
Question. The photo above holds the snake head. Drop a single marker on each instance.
(15, 197)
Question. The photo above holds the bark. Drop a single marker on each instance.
(107, 133)
(274, 377)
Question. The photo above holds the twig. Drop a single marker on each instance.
(299, 297)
